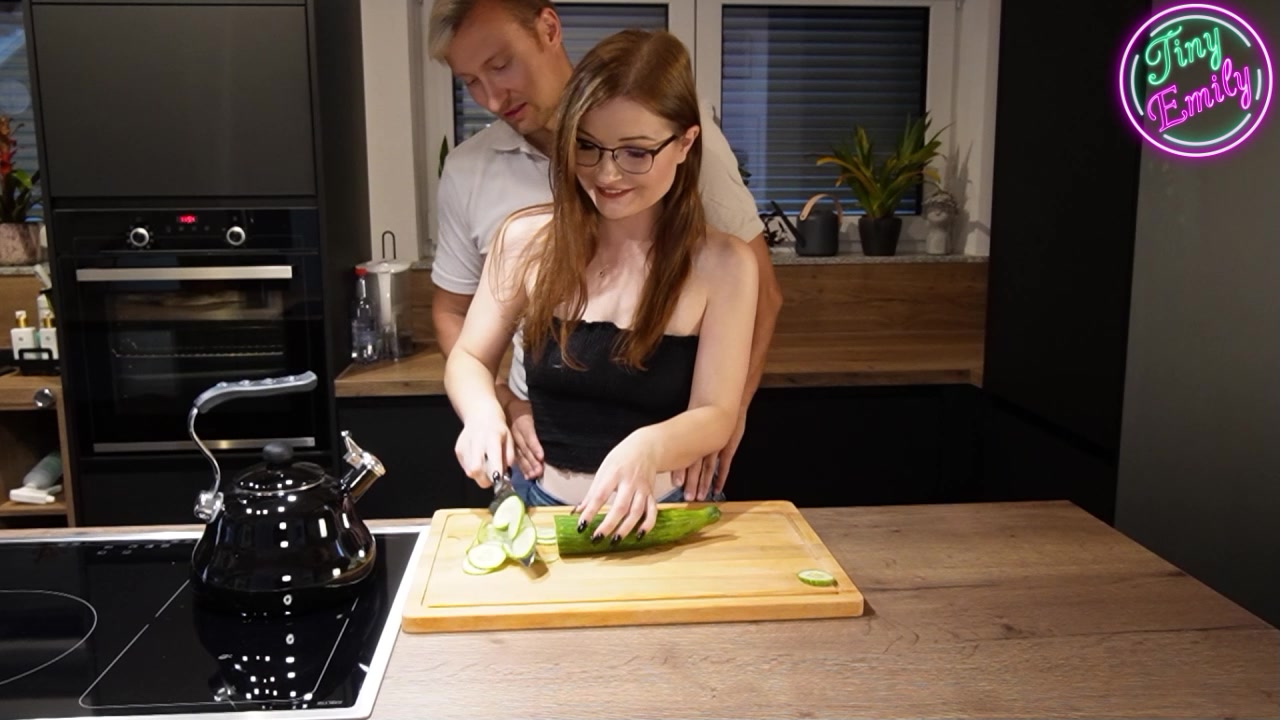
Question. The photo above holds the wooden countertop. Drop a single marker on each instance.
(795, 359)
(1008, 610)
(982, 610)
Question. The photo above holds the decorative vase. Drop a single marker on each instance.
(879, 236)
(19, 243)
(937, 241)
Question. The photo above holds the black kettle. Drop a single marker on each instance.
(281, 663)
(283, 537)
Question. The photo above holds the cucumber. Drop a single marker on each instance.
(487, 533)
(672, 524)
(548, 553)
(546, 535)
(508, 515)
(470, 569)
(522, 544)
(817, 578)
(487, 556)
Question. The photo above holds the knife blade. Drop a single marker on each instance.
(502, 489)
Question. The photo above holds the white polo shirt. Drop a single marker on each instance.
(497, 172)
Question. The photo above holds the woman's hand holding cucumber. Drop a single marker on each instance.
(629, 471)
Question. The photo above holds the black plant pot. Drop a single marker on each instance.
(879, 236)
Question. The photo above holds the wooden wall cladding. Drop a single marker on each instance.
(17, 292)
(862, 297)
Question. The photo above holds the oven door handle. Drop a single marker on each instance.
(229, 272)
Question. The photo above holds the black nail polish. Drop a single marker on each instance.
(617, 538)
(582, 525)
(639, 534)
(596, 538)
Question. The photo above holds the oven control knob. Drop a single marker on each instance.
(235, 236)
(139, 237)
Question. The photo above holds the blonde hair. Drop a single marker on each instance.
(448, 15)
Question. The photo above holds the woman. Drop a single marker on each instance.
(637, 317)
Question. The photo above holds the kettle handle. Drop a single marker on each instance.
(209, 502)
(804, 213)
(224, 391)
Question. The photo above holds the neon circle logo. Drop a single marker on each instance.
(1196, 80)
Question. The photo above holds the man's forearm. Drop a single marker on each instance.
(767, 307)
(505, 395)
(448, 327)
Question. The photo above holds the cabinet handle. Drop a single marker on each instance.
(43, 398)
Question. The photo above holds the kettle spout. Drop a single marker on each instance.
(365, 468)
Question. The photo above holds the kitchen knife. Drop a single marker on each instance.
(503, 489)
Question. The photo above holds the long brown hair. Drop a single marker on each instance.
(653, 70)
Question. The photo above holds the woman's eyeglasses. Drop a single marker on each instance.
(633, 160)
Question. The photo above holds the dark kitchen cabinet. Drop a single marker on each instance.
(1026, 458)
(817, 447)
(175, 100)
(413, 437)
(1064, 209)
(834, 446)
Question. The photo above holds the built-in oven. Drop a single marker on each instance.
(159, 305)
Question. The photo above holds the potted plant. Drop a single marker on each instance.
(19, 193)
(879, 187)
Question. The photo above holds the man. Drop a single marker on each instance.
(511, 58)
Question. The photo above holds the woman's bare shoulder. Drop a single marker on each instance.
(520, 228)
(723, 256)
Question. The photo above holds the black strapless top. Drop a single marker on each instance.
(580, 415)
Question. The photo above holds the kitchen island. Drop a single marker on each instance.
(974, 610)
(982, 610)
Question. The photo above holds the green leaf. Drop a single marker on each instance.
(878, 185)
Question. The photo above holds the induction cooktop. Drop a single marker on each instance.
(109, 627)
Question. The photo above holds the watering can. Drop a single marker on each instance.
(818, 230)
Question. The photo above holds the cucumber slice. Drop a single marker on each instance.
(546, 535)
(486, 533)
(487, 556)
(510, 511)
(522, 544)
(489, 534)
(818, 578)
(548, 553)
(470, 569)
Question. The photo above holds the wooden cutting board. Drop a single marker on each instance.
(742, 567)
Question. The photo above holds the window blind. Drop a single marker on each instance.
(583, 26)
(15, 87)
(796, 80)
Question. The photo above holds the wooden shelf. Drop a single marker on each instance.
(27, 433)
(10, 508)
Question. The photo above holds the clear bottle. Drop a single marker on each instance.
(365, 343)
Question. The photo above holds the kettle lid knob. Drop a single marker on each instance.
(278, 454)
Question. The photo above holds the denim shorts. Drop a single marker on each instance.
(533, 495)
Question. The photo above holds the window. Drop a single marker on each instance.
(15, 87)
(795, 80)
(790, 79)
(583, 26)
